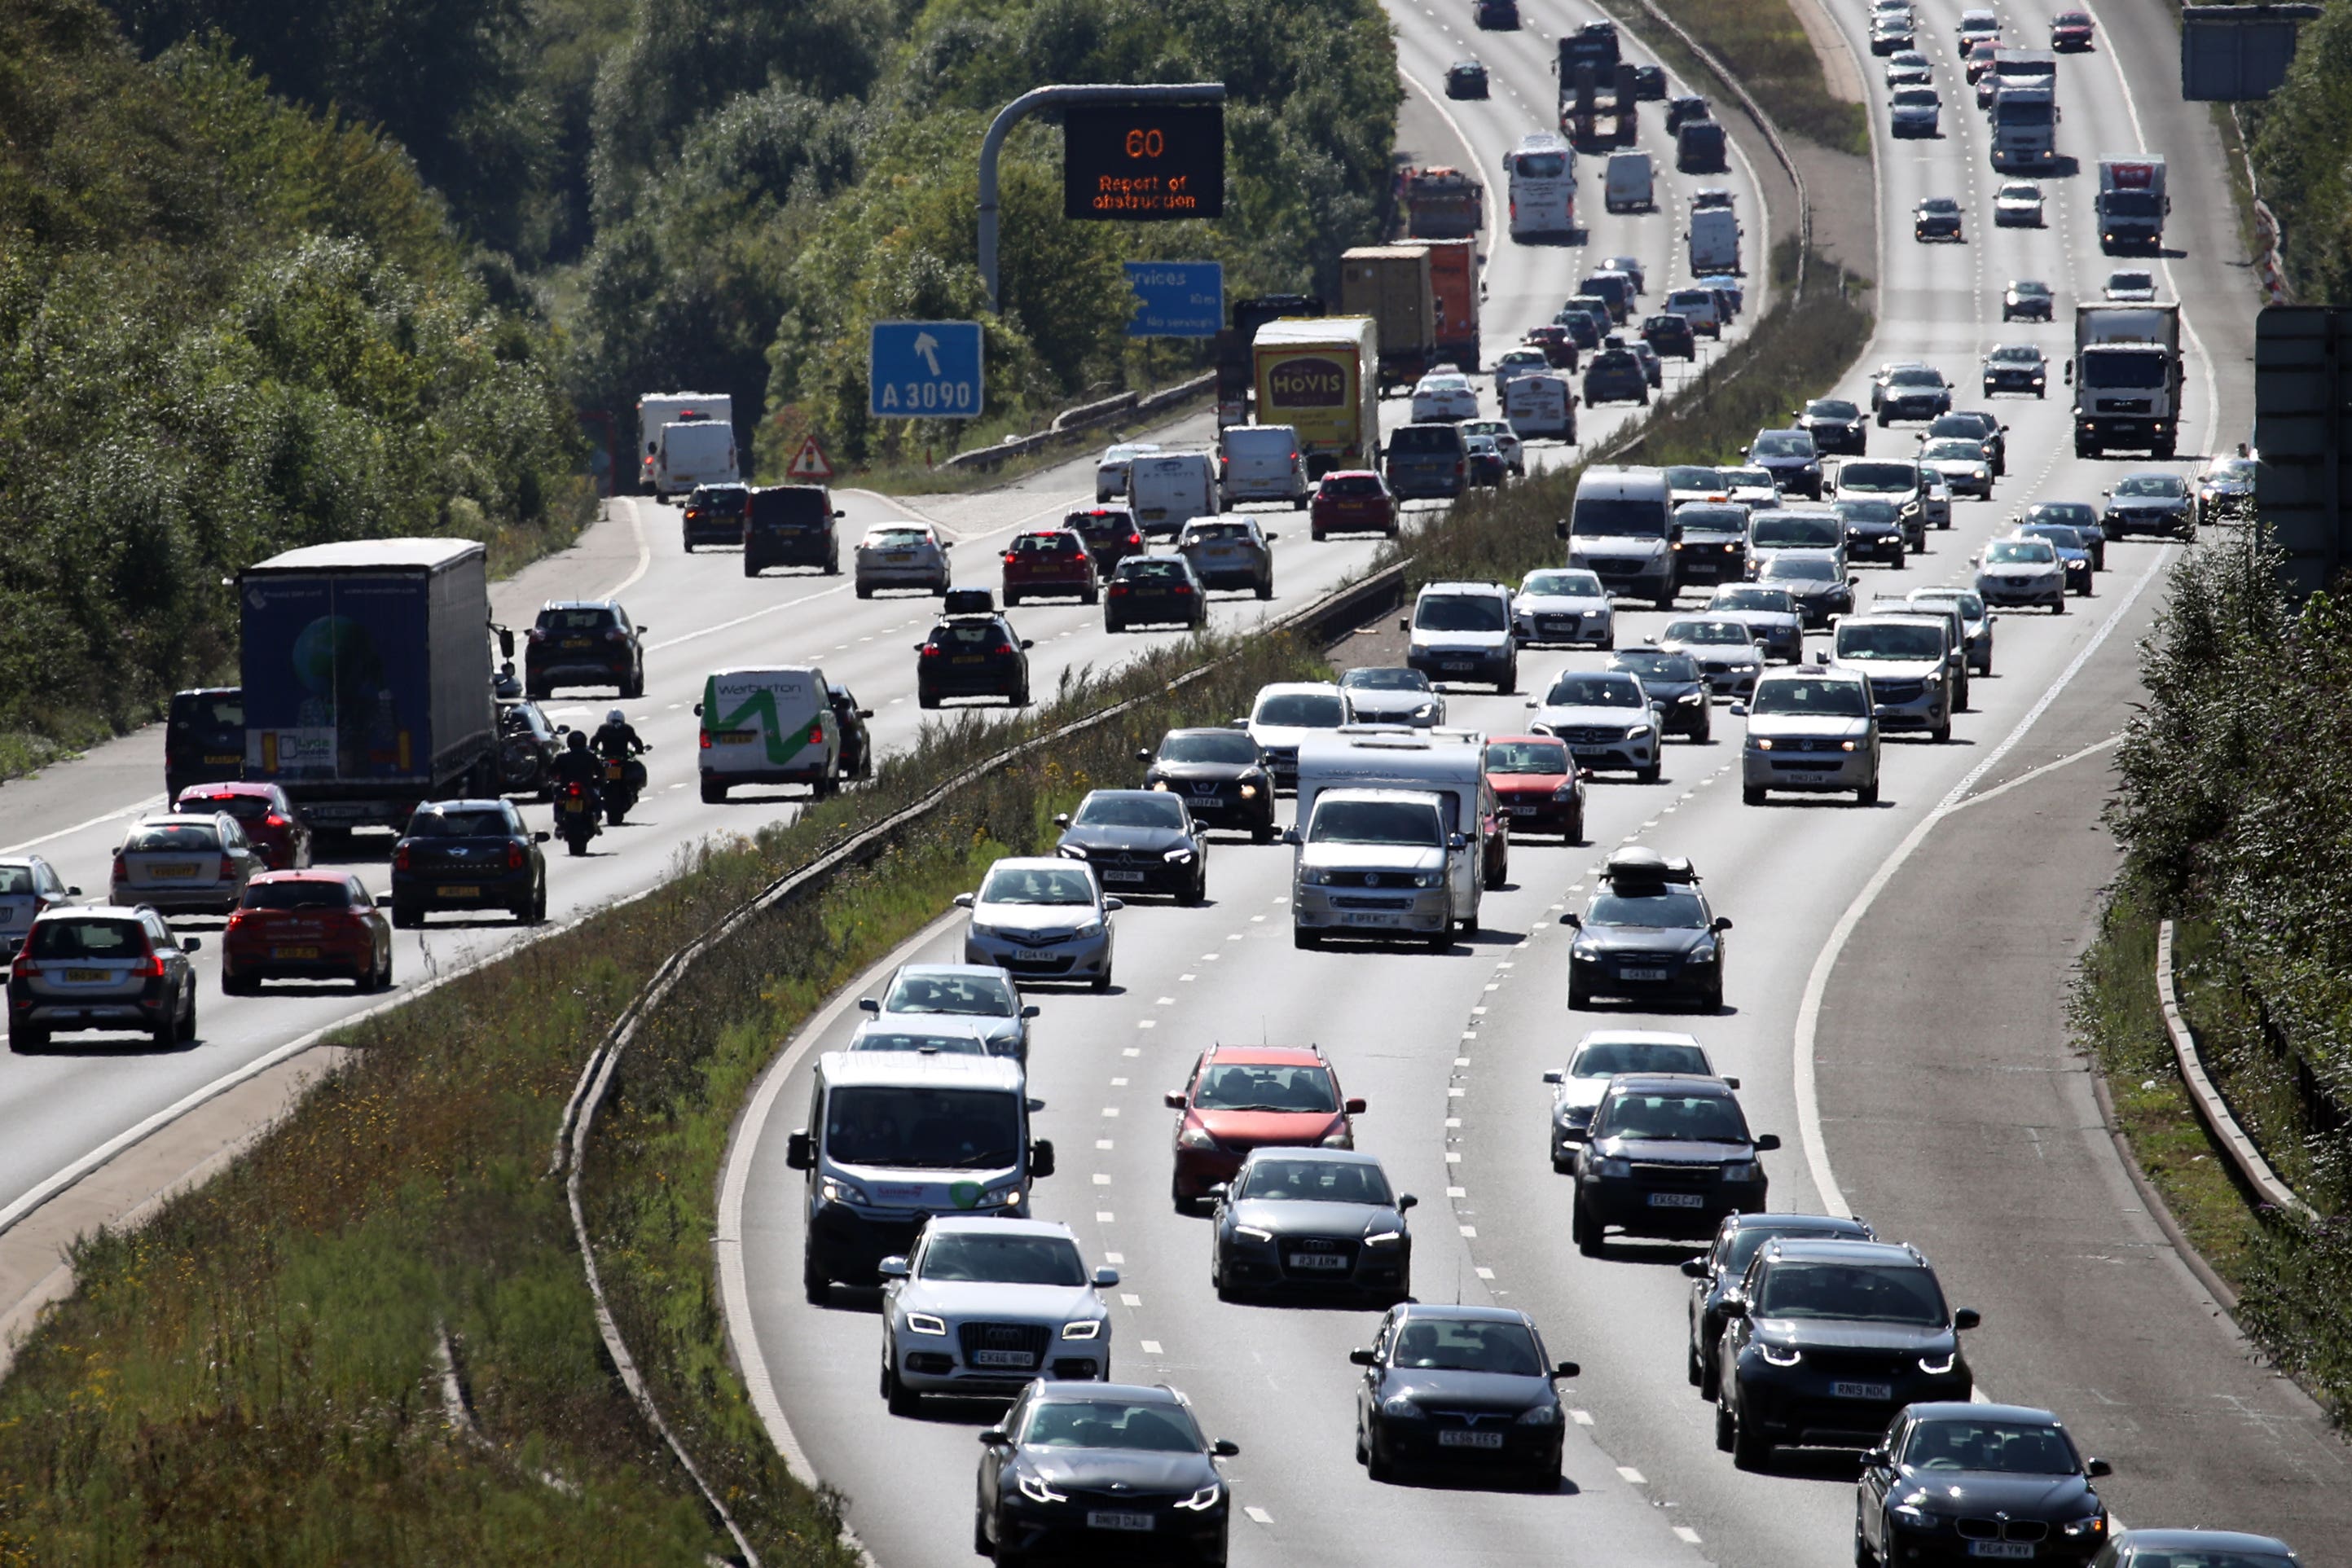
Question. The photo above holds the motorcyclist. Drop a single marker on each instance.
(579, 765)
(616, 738)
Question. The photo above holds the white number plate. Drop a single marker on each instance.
(1457, 665)
(1021, 1359)
(154, 870)
(1863, 1390)
(2013, 1551)
(1033, 956)
(1641, 973)
(1677, 1200)
(1331, 1260)
(1355, 918)
(1451, 1439)
(1523, 811)
(1103, 1519)
(1122, 877)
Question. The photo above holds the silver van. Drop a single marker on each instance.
(1620, 528)
(1261, 463)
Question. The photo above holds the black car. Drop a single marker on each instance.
(1936, 217)
(972, 656)
(1311, 1222)
(1110, 533)
(1138, 841)
(714, 515)
(1683, 107)
(1912, 392)
(1647, 934)
(1710, 542)
(2083, 519)
(1499, 15)
(2027, 299)
(857, 741)
(1677, 688)
(1976, 425)
(1460, 1385)
(1584, 328)
(1649, 84)
(2016, 367)
(1465, 79)
(1826, 1340)
(1154, 590)
(1874, 529)
(1104, 1472)
(1718, 1275)
(468, 854)
(791, 524)
(1793, 457)
(1950, 1476)
(1221, 775)
(583, 642)
(204, 738)
(1671, 336)
(1836, 426)
(1667, 1153)
(529, 745)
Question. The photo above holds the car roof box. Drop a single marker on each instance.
(969, 601)
(1639, 864)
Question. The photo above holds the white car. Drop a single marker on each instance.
(2018, 204)
(29, 885)
(1040, 917)
(1810, 730)
(1916, 110)
(1600, 1056)
(1286, 712)
(1976, 621)
(1723, 649)
(1935, 500)
(1770, 615)
(1564, 604)
(1514, 364)
(982, 996)
(938, 1037)
(2131, 286)
(1962, 463)
(985, 1306)
(1908, 66)
(2023, 571)
(1506, 442)
(1443, 398)
(902, 555)
(1755, 488)
(1384, 694)
(1111, 468)
(1607, 719)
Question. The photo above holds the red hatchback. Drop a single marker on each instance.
(269, 820)
(1352, 500)
(1244, 1097)
(1558, 347)
(1536, 787)
(2071, 30)
(1110, 534)
(1048, 563)
(308, 925)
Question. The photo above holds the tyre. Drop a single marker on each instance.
(1509, 683)
(1100, 982)
(751, 567)
(1265, 588)
(1709, 1385)
(1198, 893)
(2058, 605)
(166, 1033)
(863, 592)
(1498, 875)
(922, 699)
(1941, 733)
(1263, 834)
(1378, 1465)
(1315, 535)
(1863, 1557)
(25, 1037)
(1306, 941)
(1725, 1431)
(814, 1285)
(901, 1399)
(1648, 775)
(1583, 1231)
(1868, 795)
(1091, 596)
(980, 1546)
(1578, 996)
(1713, 1001)
(406, 919)
(1012, 597)
(1749, 1451)
(1897, 562)
(833, 567)
(713, 792)
(384, 974)
(239, 986)
(1113, 626)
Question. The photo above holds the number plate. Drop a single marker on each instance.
(1455, 664)
(1122, 877)
(87, 977)
(1021, 1359)
(293, 951)
(1358, 917)
(1524, 811)
(1863, 1390)
(737, 737)
(1105, 1519)
(456, 892)
(155, 870)
(222, 759)
(1677, 1200)
(1033, 956)
(898, 557)
(575, 641)
(1452, 1439)
(969, 658)
(2010, 1550)
(1333, 1261)
(1641, 973)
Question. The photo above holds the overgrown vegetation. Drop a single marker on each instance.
(1775, 59)
(2298, 135)
(226, 328)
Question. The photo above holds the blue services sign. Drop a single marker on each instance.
(925, 370)
(1177, 298)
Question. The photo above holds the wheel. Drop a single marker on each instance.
(538, 917)
(1199, 891)
(1498, 875)
(713, 792)
(636, 690)
(1178, 1199)
(1262, 833)
(1378, 1465)
(1648, 775)
(901, 1399)
(922, 699)
(1112, 625)
(613, 812)
(239, 986)
(1509, 683)
(1091, 596)
(406, 919)
(1863, 1557)
(1021, 697)
(1941, 733)
(1315, 534)
(1725, 1430)
(577, 845)
(814, 1283)
(690, 546)
(1440, 943)
(833, 567)
(980, 1546)
(1265, 588)
(1012, 597)
(384, 971)
(1578, 996)
(863, 592)
(1868, 795)
(1709, 1385)
(1713, 1001)
(1583, 1231)
(1897, 561)
(1747, 1450)
(2058, 605)
(1100, 982)
(750, 568)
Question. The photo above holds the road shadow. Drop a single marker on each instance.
(1653, 1253)
(97, 1045)
(1462, 1478)
(1837, 1466)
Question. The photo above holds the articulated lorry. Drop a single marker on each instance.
(2125, 372)
(2131, 204)
(1321, 377)
(367, 677)
(1391, 283)
(1598, 93)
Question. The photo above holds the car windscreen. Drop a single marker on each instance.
(1971, 607)
(1130, 809)
(1831, 408)
(1303, 710)
(1855, 509)
(1863, 639)
(1670, 1117)
(1601, 518)
(488, 823)
(1315, 1181)
(1036, 884)
(2011, 552)
(1573, 690)
(907, 1126)
(1403, 822)
(1442, 1344)
(1954, 447)
(970, 995)
(1111, 1424)
(94, 939)
(1382, 679)
(303, 895)
(1534, 757)
(1666, 908)
(870, 1037)
(1795, 533)
(1828, 699)
(1697, 517)
(1773, 601)
(1228, 746)
(1608, 1057)
(2016, 354)
(1856, 1292)
(174, 838)
(967, 1258)
(1782, 443)
(1460, 612)
(1918, 375)
(1726, 633)
(1562, 585)
(2010, 109)
(2149, 485)
(1881, 478)
(1684, 477)
(1997, 1447)
(726, 502)
(1802, 569)
(1538, 165)
(2074, 514)
(1236, 1086)
(1665, 667)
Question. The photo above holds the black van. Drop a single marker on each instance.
(1700, 148)
(203, 742)
(791, 524)
(1427, 460)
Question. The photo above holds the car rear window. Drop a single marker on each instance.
(1045, 544)
(1150, 568)
(244, 808)
(87, 938)
(590, 620)
(16, 880)
(981, 634)
(488, 823)
(174, 838)
(1352, 485)
(1424, 439)
(304, 894)
(208, 712)
(790, 503)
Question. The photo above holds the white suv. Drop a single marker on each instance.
(1810, 730)
(985, 1306)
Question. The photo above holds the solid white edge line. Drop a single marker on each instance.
(2068, 761)
(1808, 1010)
(1435, 102)
(645, 555)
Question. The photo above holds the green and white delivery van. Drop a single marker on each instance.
(772, 726)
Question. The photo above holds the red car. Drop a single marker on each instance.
(1244, 1097)
(308, 925)
(1537, 789)
(269, 820)
(1558, 347)
(1110, 534)
(2071, 30)
(1352, 500)
(1048, 563)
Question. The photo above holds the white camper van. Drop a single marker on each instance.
(1450, 764)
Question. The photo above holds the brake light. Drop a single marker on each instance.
(227, 869)
(514, 857)
(931, 651)
(616, 635)
(1182, 588)
(121, 867)
(153, 968)
(816, 733)
(1135, 541)
(1117, 590)
(21, 968)
(537, 633)
(274, 820)
(706, 740)
(1010, 558)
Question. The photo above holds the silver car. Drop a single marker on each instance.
(1725, 651)
(1975, 624)
(1391, 695)
(30, 888)
(1600, 1056)
(920, 995)
(985, 1306)
(1040, 917)
(185, 864)
(101, 967)
(1961, 462)
(1607, 719)
(2022, 573)
(897, 554)
(1770, 615)
(939, 1037)
(1810, 731)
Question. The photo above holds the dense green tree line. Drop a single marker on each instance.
(2299, 156)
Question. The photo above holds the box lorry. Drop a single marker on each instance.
(366, 674)
(657, 408)
(1321, 377)
(2024, 126)
(1391, 283)
(1443, 203)
(1454, 279)
(2125, 372)
(692, 452)
(2131, 204)
(1234, 368)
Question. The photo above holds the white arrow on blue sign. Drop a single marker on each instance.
(925, 370)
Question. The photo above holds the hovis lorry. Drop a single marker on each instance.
(2125, 372)
(1321, 377)
(2132, 203)
(1391, 283)
(367, 677)
(657, 408)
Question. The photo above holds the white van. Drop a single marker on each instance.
(1166, 490)
(657, 408)
(1714, 242)
(893, 1138)
(691, 452)
(1542, 407)
(1260, 463)
(1631, 184)
(1449, 763)
(772, 726)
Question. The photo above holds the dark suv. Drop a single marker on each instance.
(1667, 1153)
(1718, 1274)
(1826, 1340)
(713, 516)
(1425, 460)
(203, 743)
(583, 642)
(972, 656)
(791, 524)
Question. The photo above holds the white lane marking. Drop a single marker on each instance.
(1105, 1217)
(1486, 1273)
(1101, 1179)
(1147, 1023)
(645, 556)
(1119, 1082)
(2066, 761)
(1103, 1143)
(1258, 1516)
(1150, 1346)
(1631, 1477)
(1808, 1010)
(1581, 1417)
(1127, 1300)
(1470, 1231)
(1453, 1156)
(1110, 1110)
(1114, 1257)
(1687, 1535)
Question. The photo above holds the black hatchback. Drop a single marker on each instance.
(470, 855)
(713, 516)
(1138, 841)
(1103, 1472)
(1154, 590)
(1667, 1154)
(1221, 775)
(1460, 1385)
(1671, 336)
(585, 642)
(1837, 426)
(1648, 933)
(1465, 79)
(972, 656)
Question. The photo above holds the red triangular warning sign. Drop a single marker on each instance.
(809, 462)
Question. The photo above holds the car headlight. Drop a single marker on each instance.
(1741, 1170)
(999, 1198)
(1089, 1328)
(1249, 791)
(1692, 697)
(1341, 1139)
(1400, 1407)
(925, 1322)
(1205, 1499)
(1425, 879)
(1384, 1239)
(1637, 732)
(1939, 1365)
(1195, 1138)
(1161, 784)
(2089, 1529)
(986, 933)
(1177, 857)
(1584, 955)
(1914, 1516)
(1761, 742)
(1091, 927)
(1253, 1233)
(1314, 876)
(1541, 1416)
(1071, 852)
(1613, 1167)
(1426, 710)
(1706, 955)
(1779, 1355)
(1575, 1116)
(1845, 746)
(835, 1190)
(1036, 1490)
(1566, 791)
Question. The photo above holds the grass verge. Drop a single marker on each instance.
(1775, 58)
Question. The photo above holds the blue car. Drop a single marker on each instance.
(1616, 376)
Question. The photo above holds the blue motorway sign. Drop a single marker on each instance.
(1177, 298)
(925, 370)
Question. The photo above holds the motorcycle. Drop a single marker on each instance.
(625, 779)
(575, 817)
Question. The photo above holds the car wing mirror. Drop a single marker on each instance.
(1105, 1278)
(891, 1268)
(1765, 1142)
(1730, 1080)
(190, 944)
(1875, 1459)
(1554, 1077)
(2095, 1469)
(869, 1004)
(1031, 1012)
(800, 1151)
(1404, 625)
(1695, 1268)
(1720, 923)
(1027, 644)
(1733, 1306)
(1041, 1158)
(1290, 836)
(1219, 1191)
(1967, 1318)
(1174, 1099)
(862, 713)
(1224, 1447)
(1355, 1106)
(1143, 754)
(1739, 710)
(1062, 819)
(1567, 1369)
(1363, 1358)
(995, 1438)
(963, 901)
(1574, 922)
(1113, 905)
(1406, 1200)
(541, 837)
